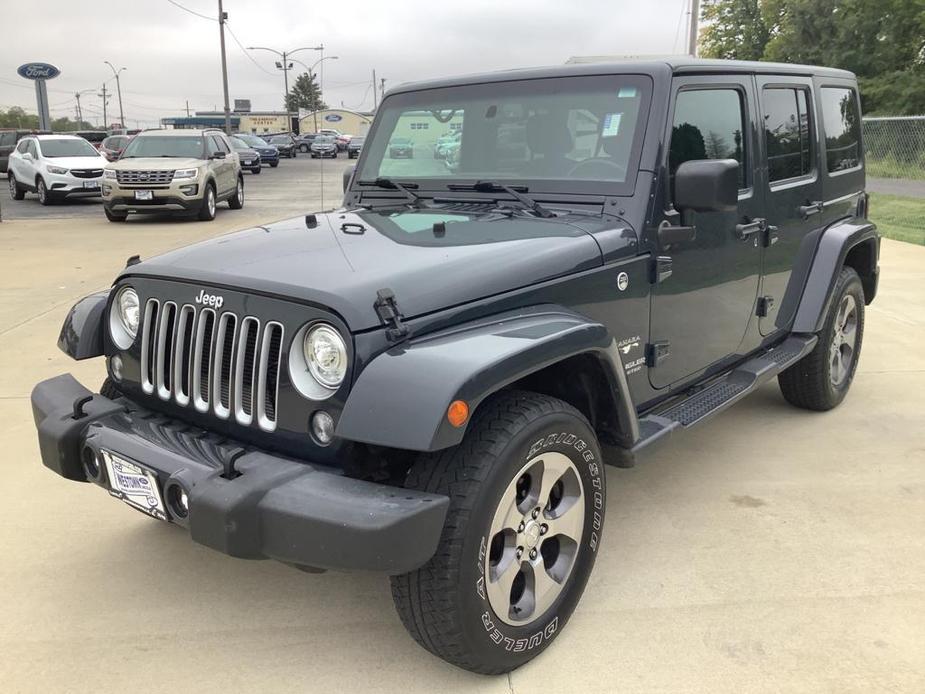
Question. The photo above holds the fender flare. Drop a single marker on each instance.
(81, 335)
(400, 399)
(834, 245)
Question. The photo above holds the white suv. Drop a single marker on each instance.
(55, 167)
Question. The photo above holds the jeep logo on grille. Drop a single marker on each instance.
(213, 300)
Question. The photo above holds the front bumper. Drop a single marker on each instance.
(68, 185)
(243, 502)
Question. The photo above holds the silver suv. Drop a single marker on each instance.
(181, 171)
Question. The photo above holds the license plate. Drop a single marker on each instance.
(247, 162)
(144, 194)
(91, 184)
(135, 485)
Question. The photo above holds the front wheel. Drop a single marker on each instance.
(274, 164)
(527, 496)
(256, 170)
(115, 216)
(42, 190)
(207, 211)
(821, 379)
(303, 149)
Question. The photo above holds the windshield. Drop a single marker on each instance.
(164, 146)
(552, 132)
(253, 140)
(280, 140)
(238, 143)
(67, 148)
(324, 140)
(358, 141)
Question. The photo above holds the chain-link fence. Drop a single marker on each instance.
(895, 147)
(895, 156)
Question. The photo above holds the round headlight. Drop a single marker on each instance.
(326, 355)
(129, 310)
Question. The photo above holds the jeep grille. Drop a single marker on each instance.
(217, 363)
(144, 177)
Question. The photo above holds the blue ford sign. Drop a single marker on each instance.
(38, 71)
(333, 118)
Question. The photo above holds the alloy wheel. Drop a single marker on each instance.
(844, 342)
(534, 538)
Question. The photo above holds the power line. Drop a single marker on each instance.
(186, 9)
(246, 52)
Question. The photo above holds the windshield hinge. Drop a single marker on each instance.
(387, 309)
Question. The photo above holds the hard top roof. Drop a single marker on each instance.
(674, 64)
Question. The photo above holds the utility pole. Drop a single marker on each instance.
(694, 28)
(382, 88)
(118, 90)
(222, 16)
(105, 99)
(187, 108)
(80, 117)
(375, 96)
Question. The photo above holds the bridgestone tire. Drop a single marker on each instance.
(445, 604)
(809, 383)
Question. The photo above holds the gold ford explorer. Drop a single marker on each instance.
(179, 171)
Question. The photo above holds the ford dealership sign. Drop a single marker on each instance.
(38, 71)
(333, 118)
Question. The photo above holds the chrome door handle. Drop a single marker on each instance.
(806, 211)
(747, 229)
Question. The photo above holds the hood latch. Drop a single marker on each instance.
(387, 309)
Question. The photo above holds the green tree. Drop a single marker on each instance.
(305, 93)
(733, 29)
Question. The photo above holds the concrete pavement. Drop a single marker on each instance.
(768, 550)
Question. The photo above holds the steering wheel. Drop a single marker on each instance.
(604, 165)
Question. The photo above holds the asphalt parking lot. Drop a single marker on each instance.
(282, 191)
(768, 550)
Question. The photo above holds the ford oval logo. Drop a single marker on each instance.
(38, 71)
(333, 118)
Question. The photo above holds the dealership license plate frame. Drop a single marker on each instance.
(134, 484)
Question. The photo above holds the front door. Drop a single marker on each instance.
(793, 191)
(700, 313)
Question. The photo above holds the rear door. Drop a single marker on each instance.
(219, 166)
(701, 312)
(793, 192)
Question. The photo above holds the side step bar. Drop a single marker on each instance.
(718, 395)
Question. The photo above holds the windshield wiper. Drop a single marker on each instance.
(403, 188)
(514, 192)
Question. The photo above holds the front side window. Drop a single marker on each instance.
(185, 146)
(708, 124)
(841, 120)
(562, 130)
(787, 133)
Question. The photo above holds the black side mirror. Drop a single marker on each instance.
(348, 174)
(707, 185)
(218, 155)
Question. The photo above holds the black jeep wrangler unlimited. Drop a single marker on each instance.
(428, 381)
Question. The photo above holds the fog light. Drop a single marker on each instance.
(115, 367)
(323, 427)
(189, 190)
(107, 189)
(178, 500)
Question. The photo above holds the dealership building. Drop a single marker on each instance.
(244, 120)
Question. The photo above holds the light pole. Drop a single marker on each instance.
(115, 73)
(285, 65)
(311, 76)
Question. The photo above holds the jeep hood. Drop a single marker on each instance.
(339, 260)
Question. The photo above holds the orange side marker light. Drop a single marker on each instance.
(457, 413)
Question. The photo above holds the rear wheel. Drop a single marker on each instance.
(16, 192)
(207, 211)
(820, 381)
(236, 201)
(527, 495)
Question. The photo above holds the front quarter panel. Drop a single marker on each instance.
(401, 398)
(81, 335)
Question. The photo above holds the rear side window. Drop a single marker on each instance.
(787, 133)
(23, 146)
(841, 120)
(7, 139)
(708, 124)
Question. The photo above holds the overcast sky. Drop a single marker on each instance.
(172, 56)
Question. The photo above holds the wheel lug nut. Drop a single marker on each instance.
(520, 552)
(536, 512)
(533, 554)
(520, 528)
(544, 529)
